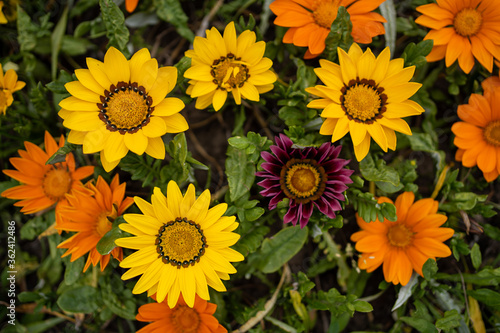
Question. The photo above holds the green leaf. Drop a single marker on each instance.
(475, 256)
(171, 11)
(56, 40)
(339, 35)
(60, 154)
(415, 54)
(240, 173)
(276, 251)
(80, 299)
(422, 142)
(487, 296)
(116, 31)
(362, 306)
(27, 39)
(107, 243)
(450, 320)
(377, 171)
(430, 269)
(421, 325)
(73, 270)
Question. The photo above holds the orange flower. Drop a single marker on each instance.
(43, 185)
(463, 30)
(478, 135)
(181, 318)
(130, 5)
(91, 216)
(310, 21)
(405, 245)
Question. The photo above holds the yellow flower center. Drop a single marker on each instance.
(185, 319)
(362, 101)
(325, 12)
(303, 180)
(180, 243)
(468, 22)
(105, 221)
(126, 107)
(492, 133)
(229, 72)
(399, 235)
(56, 183)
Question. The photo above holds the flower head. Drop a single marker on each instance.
(91, 215)
(310, 21)
(405, 245)
(183, 246)
(228, 64)
(43, 185)
(463, 30)
(365, 96)
(477, 136)
(119, 105)
(307, 177)
(8, 85)
(181, 318)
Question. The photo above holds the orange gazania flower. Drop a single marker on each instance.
(478, 135)
(310, 21)
(181, 318)
(91, 216)
(130, 5)
(463, 30)
(43, 185)
(405, 245)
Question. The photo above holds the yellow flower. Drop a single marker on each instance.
(8, 85)
(183, 246)
(365, 96)
(3, 19)
(119, 105)
(222, 64)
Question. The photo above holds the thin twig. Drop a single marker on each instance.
(206, 20)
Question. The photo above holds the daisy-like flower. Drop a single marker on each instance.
(463, 30)
(131, 5)
(405, 245)
(8, 85)
(310, 21)
(91, 217)
(477, 136)
(181, 318)
(183, 246)
(307, 177)
(365, 96)
(119, 105)
(228, 64)
(43, 185)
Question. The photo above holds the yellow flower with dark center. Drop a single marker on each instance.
(183, 246)
(228, 64)
(365, 96)
(8, 85)
(463, 30)
(119, 105)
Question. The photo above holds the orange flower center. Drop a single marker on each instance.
(56, 183)
(399, 235)
(362, 101)
(185, 319)
(180, 243)
(126, 107)
(325, 12)
(468, 22)
(105, 221)
(492, 133)
(229, 72)
(303, 180)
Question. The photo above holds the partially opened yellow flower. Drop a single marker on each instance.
(405, 245)
(365, 96)
(8, 85)
(182, 245)
(463, 30)
(228, 64)
(119, 105)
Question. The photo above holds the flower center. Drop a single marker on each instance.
(229, 72)
(362, 101)
(126, 107)
(303, 180)
(105, 221)
(180, 243)
(399, 235)
(325, 12)
(492, 133)
(56, 183)
(468, 22)
(185, 319)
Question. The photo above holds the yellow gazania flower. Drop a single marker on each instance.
(183, 246)
(463, 30)
(119, 105)
(91, 216)
(365, 96)
(8, 85)
(222, 64)
(405, 245)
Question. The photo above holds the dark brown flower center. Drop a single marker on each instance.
(303, 180)
(363, 101)
(229, 72)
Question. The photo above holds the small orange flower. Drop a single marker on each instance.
(91, 216)
(130, 5)
(43, 185)
(405, 245)
(181, 318)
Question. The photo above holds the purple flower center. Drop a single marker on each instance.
(303, 180)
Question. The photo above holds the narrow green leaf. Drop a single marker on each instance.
(107, 243)
(60, 154)
(475, 256)
(421, 325)
(487, 296)
(276, 251)
(56, 40)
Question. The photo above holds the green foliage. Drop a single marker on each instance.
(368, 208)
(114, 20)
(339, 35)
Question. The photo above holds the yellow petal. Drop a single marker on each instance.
(136, 142)
(76, 104)
(219, 99)
(156, 148)
(250, 92)
(168, 107)
(155, 128)
(199, 209)
(165, 82)
(362, 149)
(176, 123)
(116, 66)
(85, 77)
(148, 74)
(96, 68)
(136, 62)
(82, 121)
(230, 38)
(174, 198)
(94, 141)
(358, 132)
(115, 149)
